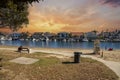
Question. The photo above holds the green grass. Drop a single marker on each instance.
(51, 68)
(47, 61)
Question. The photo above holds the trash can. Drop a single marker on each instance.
(77, 57)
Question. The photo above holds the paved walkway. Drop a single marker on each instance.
(115, 66)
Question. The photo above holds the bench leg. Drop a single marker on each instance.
(28, 51)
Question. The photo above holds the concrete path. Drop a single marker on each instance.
(115, 66)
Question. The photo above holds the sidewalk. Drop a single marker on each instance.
(115, 66)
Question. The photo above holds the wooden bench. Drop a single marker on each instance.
(23, 49)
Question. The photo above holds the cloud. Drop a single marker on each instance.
(113, 3)
(91, 15)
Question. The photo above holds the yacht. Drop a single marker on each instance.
(85, 40)
(9, 39)
(33, 39)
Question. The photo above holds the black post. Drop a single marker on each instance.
(77, 57)
(1, 63)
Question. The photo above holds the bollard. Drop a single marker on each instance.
(0, 63)
(102, 54)
(77, 57)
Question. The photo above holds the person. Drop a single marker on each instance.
(110, 49)
(19, 49)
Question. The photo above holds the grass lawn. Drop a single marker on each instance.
(52, 68)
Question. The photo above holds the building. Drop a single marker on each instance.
(63, 35)
(77, 33)
(15, 36)
(37, 35)
(91, 35)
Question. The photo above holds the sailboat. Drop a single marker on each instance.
(85, 39)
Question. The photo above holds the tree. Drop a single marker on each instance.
(14, 13)
(14, 18)
(3, 3)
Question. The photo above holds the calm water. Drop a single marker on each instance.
(52, 44)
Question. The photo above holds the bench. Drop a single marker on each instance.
(23, 49)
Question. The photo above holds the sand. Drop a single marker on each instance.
(107, 55)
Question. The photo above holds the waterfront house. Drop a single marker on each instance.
(48, 36)
(24, 36)
(37, 35)
(77, 33)
(77, 36)
(91, 35)
(63, 36)
(15, 36)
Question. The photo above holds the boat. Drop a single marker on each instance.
(47, 39)
(2, 38)
(64, 40)
(33, 39)
(9, 39)
(85, 40)
(55, 40)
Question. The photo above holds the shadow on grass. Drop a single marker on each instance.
(69, 63)
(88, 54)
(16, 51)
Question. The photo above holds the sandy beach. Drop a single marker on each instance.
(107, 55)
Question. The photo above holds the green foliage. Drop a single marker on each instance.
(4, 3)
(14, 18)
(14, 13)
(47, 61)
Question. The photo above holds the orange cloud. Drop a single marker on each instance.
(76, 16)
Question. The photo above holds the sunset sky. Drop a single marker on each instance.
(74, 16)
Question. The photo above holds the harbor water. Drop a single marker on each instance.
(59, 44)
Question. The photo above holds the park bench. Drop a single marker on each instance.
(23, 49)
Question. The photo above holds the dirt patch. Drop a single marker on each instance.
(57, 56)
(24, 60)
(112, 55)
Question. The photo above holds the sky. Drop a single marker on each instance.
(73, 16)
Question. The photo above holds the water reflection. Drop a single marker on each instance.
(57, 44)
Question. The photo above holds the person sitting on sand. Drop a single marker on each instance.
(110, 49)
